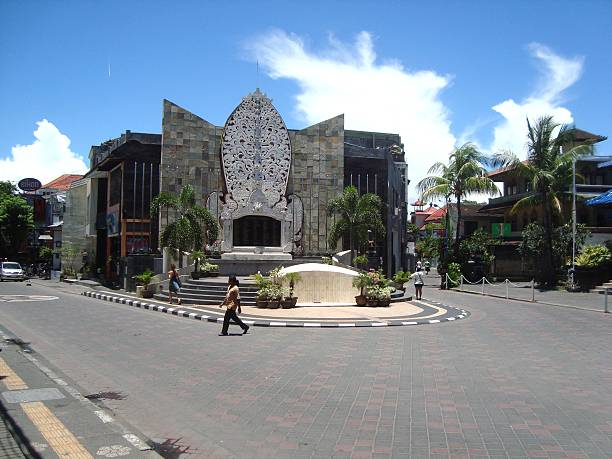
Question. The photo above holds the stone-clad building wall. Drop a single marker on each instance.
(317, 176)
(190, 153)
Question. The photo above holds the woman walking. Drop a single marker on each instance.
(232, 303)
(418, 282)
(175, 284)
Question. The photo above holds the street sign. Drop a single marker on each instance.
(29, 184)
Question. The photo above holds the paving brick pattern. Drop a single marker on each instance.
(514, 380)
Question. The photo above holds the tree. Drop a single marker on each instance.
(358, 214)
(16, 219)
(193, 226)
(548, 170)
(68, 254)
(533, 247)
(464, 175)
(477, 247)
(428, 247)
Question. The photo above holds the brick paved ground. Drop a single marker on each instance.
(513, 380)
(9, 449)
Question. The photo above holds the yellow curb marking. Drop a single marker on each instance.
(440, 312)
(10, 379)
(63, 442)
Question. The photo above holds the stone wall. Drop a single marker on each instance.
(317, 176)
(189, 153)
(76, 216)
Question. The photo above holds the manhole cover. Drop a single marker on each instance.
(24, 298)
(32, 395)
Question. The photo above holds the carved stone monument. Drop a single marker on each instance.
(258, 219)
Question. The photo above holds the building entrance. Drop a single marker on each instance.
(257, 231)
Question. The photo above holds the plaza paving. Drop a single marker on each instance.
(513, 379)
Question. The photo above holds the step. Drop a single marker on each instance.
(213, 288)
(197, 291)
(208, 301)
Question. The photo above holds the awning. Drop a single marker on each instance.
(601, 200)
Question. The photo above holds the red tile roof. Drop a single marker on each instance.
(429, 210)
(62, 182)
(437, 215)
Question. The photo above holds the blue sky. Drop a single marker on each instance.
(437, 72)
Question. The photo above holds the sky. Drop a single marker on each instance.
(440, 73)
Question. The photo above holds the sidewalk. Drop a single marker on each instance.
(523, 291)
(45, 415)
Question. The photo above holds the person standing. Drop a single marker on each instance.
(418, 282)
(174, 285)
(232, 304)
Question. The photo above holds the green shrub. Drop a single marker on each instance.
(454, 273)
(362, 281)
(145, 277)
(401, 277)
(209, 267)
(593, 256)
(360, 261)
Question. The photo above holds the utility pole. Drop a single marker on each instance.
(573, 221)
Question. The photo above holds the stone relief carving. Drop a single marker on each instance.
(256, 158)
(256, 151)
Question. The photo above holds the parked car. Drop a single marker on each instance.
(10, 270)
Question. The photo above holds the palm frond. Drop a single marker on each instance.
(527, 202)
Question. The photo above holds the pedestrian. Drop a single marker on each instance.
(232, 304)
(174, 286)
(418, 282)
(418, 265)
(427, 267)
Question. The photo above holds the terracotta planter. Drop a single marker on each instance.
(261, 304)
(286, 304)
(196, 275)
(384, 303)
(371, 302)
(360, 300)
(213, 273)
(146, 293)
(274, 304)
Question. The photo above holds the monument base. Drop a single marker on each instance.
(250, 256)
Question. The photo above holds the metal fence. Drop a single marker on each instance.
(527, 291)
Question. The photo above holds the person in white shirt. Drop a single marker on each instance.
(418, 277)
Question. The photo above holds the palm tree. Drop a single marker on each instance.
(464, 175)
(548, 170)
(193, 225)
(358, 214)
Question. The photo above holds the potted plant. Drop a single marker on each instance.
(362, 282)
(262, 283)
(291, 301)
(592, 266)
(360, 261)
(145, 279)
(400, 279)
(210, 269)
(198, 257)
(276, 292)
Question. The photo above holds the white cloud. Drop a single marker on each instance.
(48, 157)
(558, 74)
(373, 96)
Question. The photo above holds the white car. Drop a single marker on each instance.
(10, 270)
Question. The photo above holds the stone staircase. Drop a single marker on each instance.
(211, 291)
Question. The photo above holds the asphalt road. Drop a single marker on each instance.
(513, 380)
